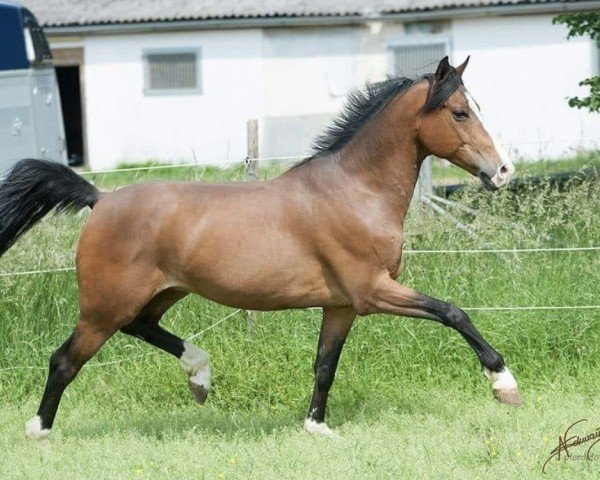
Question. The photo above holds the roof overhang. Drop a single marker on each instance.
(300, 21)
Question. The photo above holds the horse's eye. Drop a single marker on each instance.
(460, 115)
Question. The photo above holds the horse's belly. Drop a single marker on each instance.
(256, 276)
(277, 292)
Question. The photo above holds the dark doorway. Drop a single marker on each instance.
(70, 99)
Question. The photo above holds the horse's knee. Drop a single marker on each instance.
(454, 317)
(60, 369)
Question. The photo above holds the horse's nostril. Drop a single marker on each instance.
(504, 170)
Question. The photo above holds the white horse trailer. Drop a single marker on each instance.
(31, 123)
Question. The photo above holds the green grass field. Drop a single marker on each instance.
(409, 399)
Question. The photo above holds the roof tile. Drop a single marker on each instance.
(89, 12)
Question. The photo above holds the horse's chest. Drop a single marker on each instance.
(388, 251)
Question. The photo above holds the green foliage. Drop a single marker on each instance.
(580, 24)
(584, 24)
(591, 102)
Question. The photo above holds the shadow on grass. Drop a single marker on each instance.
(347, 407)
(181, 423)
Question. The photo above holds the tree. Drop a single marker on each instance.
(582, 24)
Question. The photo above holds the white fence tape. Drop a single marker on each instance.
(208, 163)
(407, 252)
(508, 250)
(229, 161)
(37, 272)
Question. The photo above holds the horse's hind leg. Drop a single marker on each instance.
(195, 362)
(105, 306)
(65, 362)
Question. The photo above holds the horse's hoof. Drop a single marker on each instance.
(200, 392)
(34, 430)
(510, 396)
(316, 428)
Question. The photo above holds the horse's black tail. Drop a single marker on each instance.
(33, 188)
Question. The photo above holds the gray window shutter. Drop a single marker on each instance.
(172, 71)
(417, 59)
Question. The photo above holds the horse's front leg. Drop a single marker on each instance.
(334, 330)
(387, 296)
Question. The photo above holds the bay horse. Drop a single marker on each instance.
(329, 235)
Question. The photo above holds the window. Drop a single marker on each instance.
(38, 50)
(173, 72)
(414, 59)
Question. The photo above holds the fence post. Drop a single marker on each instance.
(252, 175)
(252, 156)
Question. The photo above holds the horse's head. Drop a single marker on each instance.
(451, 126)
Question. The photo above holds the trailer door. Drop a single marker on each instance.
(45, 103)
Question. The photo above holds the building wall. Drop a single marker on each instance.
(522, 70)
(309, 71)
(125, 125)
(294, 80)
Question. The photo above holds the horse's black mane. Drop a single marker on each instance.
(362, 105)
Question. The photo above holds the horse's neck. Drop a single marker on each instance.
(386, 160)
(383, 159)
(358, 177)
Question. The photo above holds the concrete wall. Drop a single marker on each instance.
(294, 81)
(309, 71)
(522, 71)
(125, 125)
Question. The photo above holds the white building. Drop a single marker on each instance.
(176, 80)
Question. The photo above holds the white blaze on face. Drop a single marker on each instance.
(503, 175)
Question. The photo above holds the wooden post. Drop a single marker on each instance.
(252, 157)
(423, 188)
(252, 175)
(425, 181)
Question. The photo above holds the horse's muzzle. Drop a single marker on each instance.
(500, 179)
(487, 181)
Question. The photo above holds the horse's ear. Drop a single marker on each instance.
(442, 75)
(461, 68)
(443, 69)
